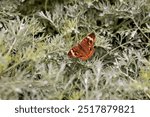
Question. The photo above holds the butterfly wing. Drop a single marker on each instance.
(76, 52)
(87, 45)
(87, 56)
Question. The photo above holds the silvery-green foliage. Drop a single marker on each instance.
(34, 44)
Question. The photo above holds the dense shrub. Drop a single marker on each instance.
(36, 35)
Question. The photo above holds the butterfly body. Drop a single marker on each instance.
(85, 49)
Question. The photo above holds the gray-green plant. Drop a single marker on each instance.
(34, 44)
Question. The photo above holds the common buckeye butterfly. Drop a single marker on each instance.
(85, 49)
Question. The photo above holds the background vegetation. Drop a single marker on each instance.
(36, 35)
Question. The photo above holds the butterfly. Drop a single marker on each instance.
(85, 49)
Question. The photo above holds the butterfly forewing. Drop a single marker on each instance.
(88, 43)
(75, 52)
